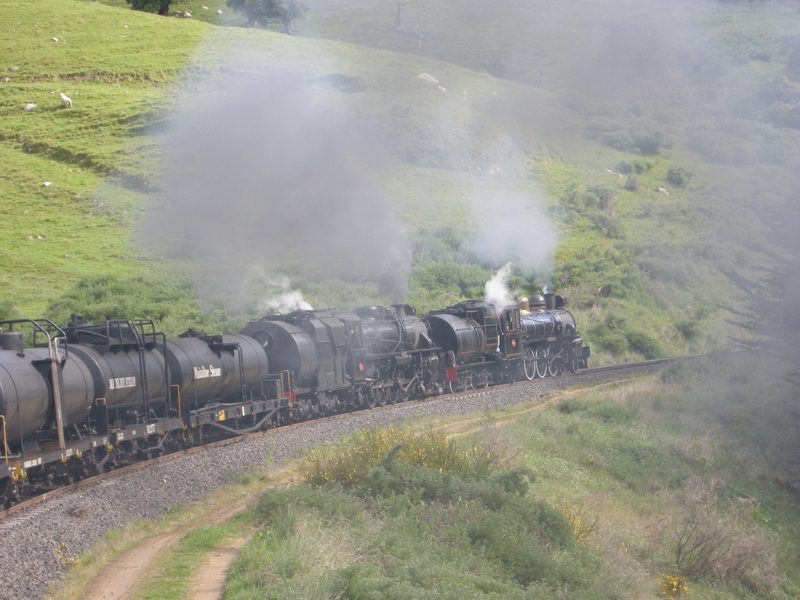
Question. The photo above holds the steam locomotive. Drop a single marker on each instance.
(84, 398)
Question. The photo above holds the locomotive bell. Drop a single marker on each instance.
(524, 306)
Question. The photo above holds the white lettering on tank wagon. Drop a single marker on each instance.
(205, 373)
(118, 383)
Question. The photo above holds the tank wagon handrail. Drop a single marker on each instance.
(46, 326)
(178, 388)
(5, 443)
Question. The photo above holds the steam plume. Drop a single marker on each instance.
(263, 172)
(497, 291)
(513, 226)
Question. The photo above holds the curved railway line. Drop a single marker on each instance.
(38, 533)
(94, 480)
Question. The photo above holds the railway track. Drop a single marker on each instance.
(96, 479)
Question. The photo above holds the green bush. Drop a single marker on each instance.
(678, 176)
(632, 183)
(689, 328)
(571, 405)
(351, 463)
(609, 411)
(644, 344)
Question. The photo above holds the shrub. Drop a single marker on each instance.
(727, 545)
(571, 405)
(605, 196)
(689, 328)
(610, 411)
(678, 176)
(350, 464)
(644, 345)
(632, 183)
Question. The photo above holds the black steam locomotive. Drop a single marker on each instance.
(85, 398)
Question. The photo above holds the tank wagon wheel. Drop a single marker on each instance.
(541, 363)
(553, 363)
(529, 363)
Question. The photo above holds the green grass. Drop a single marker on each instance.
(660, 259)
(619, 468)
(175, 576)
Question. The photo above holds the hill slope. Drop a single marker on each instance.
(600, 158)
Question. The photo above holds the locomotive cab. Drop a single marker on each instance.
(511, 331)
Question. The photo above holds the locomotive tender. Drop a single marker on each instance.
(85, 398)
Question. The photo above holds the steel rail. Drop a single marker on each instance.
(89, 481)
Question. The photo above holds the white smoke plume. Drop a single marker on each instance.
(266, 170)
(283, 299)
(513, 226)
(497, 291)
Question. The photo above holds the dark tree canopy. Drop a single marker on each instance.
(260, 11)
(159, 6)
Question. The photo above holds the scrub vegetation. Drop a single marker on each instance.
(644, 489)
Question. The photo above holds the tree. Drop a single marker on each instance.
(159, 6)
(254, 10)
(259, 11)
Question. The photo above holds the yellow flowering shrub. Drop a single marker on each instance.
(674, 586)
(348, 463)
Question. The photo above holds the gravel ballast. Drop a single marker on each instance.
(29, 564)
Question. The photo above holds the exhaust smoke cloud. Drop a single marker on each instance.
(265, 172)
(497, 290)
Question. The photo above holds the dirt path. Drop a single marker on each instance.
(120, 578)
(209, 579)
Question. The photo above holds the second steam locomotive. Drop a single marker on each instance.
(84, 398)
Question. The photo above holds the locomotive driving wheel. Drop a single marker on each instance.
(469, 380)
(529, 363)
(484, 378)
(553, 363)
(541, 363)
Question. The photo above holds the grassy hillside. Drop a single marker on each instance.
(654, 180)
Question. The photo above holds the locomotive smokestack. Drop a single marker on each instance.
(550, 300)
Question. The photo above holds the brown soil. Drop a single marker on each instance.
(209, 579)
(120, 578)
